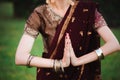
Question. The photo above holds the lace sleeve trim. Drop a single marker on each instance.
(31, 32)
(99, 21)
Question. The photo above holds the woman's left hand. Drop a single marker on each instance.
(66, 54)
(70, 50)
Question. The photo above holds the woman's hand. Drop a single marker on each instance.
(66, 55)
(70, 50)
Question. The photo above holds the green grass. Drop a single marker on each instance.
(111, 64)
(11, 31)
(6, 9)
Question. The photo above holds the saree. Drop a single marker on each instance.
(84, 39)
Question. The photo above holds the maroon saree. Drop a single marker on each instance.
(84, 40)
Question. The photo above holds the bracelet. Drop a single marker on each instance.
(61, 66)
(99, 53)
(29, 60)
(57, 66)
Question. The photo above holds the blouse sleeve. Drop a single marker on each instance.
(99, 20)
(33, 24)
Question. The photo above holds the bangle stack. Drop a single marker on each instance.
(29, 60)
(99, 53)
(57, 66)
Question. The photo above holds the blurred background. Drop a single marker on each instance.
(13, 14)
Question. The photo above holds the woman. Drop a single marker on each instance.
(48, 20)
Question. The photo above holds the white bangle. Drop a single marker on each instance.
(61, 65)
(99, 53)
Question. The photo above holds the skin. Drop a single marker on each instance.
(60, 7)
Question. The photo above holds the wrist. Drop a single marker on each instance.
(74, 61)
(58, 66)
(64, 63)
(99, 53)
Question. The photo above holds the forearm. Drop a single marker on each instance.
(111, 43)
(23, 53)
(110, 47)
(92, 56)
(47, 63)
(36, 61)
(42, 62)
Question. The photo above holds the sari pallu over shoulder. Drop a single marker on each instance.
(84, 39)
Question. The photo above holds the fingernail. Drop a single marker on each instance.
(66, 37)
(66, 33)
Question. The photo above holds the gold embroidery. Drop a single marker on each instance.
(48, 73)
(85, 10)
(80, 48)
(31, 32)
(81, 33)
(73, 19)
(89, 33)
(38, 70)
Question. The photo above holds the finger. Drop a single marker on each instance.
(70, 44)
(67, 41)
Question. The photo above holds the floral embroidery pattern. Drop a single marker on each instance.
(99, 21)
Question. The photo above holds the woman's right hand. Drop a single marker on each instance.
(66, 54)
(69, 49)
